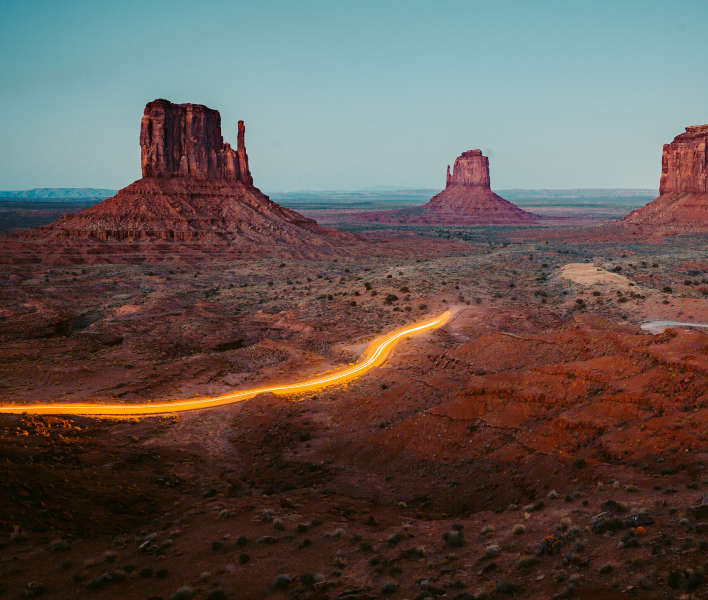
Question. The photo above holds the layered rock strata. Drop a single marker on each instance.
(682, 204)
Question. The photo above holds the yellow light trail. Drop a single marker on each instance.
(377, 352)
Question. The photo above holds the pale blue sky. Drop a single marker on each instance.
(357, 94)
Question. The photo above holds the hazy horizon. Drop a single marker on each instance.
(354, 96)
(378, 189)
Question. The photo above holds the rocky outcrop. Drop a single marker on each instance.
(244, 173)
(195, 188)
(684, 162)
(466, 200)
(471, 168)
(184, 140)
(682, 204)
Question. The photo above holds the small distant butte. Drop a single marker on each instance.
(466, 200)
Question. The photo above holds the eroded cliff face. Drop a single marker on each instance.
(682, 204)
(471, 168)
(184, 140)
(684, 162)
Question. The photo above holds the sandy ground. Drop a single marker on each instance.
(586, 274)
(540, 445)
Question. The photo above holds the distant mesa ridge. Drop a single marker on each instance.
(57, 193)
(682, 204)
(195, 187)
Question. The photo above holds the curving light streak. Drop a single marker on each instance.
(376, 354)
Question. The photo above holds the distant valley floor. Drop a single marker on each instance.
(570, 207)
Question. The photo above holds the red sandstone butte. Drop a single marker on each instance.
(194, 188)
(471, 168)
(184, 140)
(682, 204)
(466, 200)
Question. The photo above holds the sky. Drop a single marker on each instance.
(357, 94)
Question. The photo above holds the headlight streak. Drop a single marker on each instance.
(378, 351)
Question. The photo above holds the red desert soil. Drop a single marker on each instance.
(537, 446)
(540, 445)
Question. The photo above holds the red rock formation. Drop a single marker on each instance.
(194, 188)
(684, 162)
(471, 168)
(466, 200)
(682, 204)
(244, 173)
(184, 140)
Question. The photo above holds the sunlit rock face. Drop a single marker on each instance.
(184, 140)
(682, 204)
(684, 162)
(471, 168)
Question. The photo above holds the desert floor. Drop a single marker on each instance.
(539, 445)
